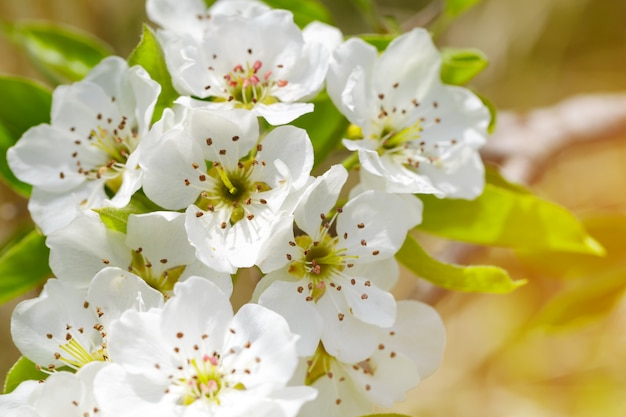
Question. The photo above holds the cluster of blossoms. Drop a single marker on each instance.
(138, 319)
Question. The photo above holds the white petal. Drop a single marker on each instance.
(257, 332)
(84, 247)
(302, 316)
(319, 199)
(419, 334)
(282, 113)
(369, 303)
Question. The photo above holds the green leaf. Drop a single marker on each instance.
(117, 219)
(585, 300)
(493, 176)
(61, 53)
(459, 66)
(493, 112)
(486, 279)
(379, 41)
(456, 7)
(325, 126)
(304, 11)
(23, 265)
(22, 370)
(501, 217)
(24, 104)
(150, 56)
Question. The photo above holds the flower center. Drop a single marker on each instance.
(161, 281)
(232, 190)
(320, 261)
(319, 365)
(248, 85)
(115, 143)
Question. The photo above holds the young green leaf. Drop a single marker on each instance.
(23, 265)
(150, 56)
(456, 7)
(61, 53)
(325, 126)
(22, 370)
(501, 217)
(486, 279)
(304, 11)
(379, 41)
(117, 219)
(459, 66)
(493, 176)
(24, 104)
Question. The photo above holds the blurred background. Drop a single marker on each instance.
(557, 346)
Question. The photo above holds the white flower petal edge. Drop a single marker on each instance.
(66, 326)
(62, 394)
(89, 146)
(419, 135)
(194, 357)
(259, 62)
(316, 267)
(407, 352)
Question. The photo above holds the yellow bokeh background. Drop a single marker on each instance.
(556, 347)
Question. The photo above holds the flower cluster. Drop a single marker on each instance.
(147, 220)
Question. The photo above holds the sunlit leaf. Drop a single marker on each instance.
(150, 56)
(493, 112)
(501, 217)
(608, 230)
(61, 53)
(325, 126)
(380, 41)
(459, 66)
(22, 370)
(493, 176)
(486, 279)
(304, 11)
(117, 219)
(585, 300)
(456, 7)
(24, 104)
(23, 265)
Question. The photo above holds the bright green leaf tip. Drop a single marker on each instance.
(21, 371)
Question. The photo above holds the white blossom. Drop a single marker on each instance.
(260, 63)
(88, 149)
(155, 247)
(331, 281)
(406, 353)
(419, 135)
(67, 327)
(234, 186)
(195, 358)
(62, 394)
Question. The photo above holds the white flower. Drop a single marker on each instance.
(193, 17)
(155, 247)
(331, 281)
(194, 358)
(407, 352)
(260, 63)
(66, 326)
(235, 187)
(62, 394)
(419, 135)
(88, 148)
